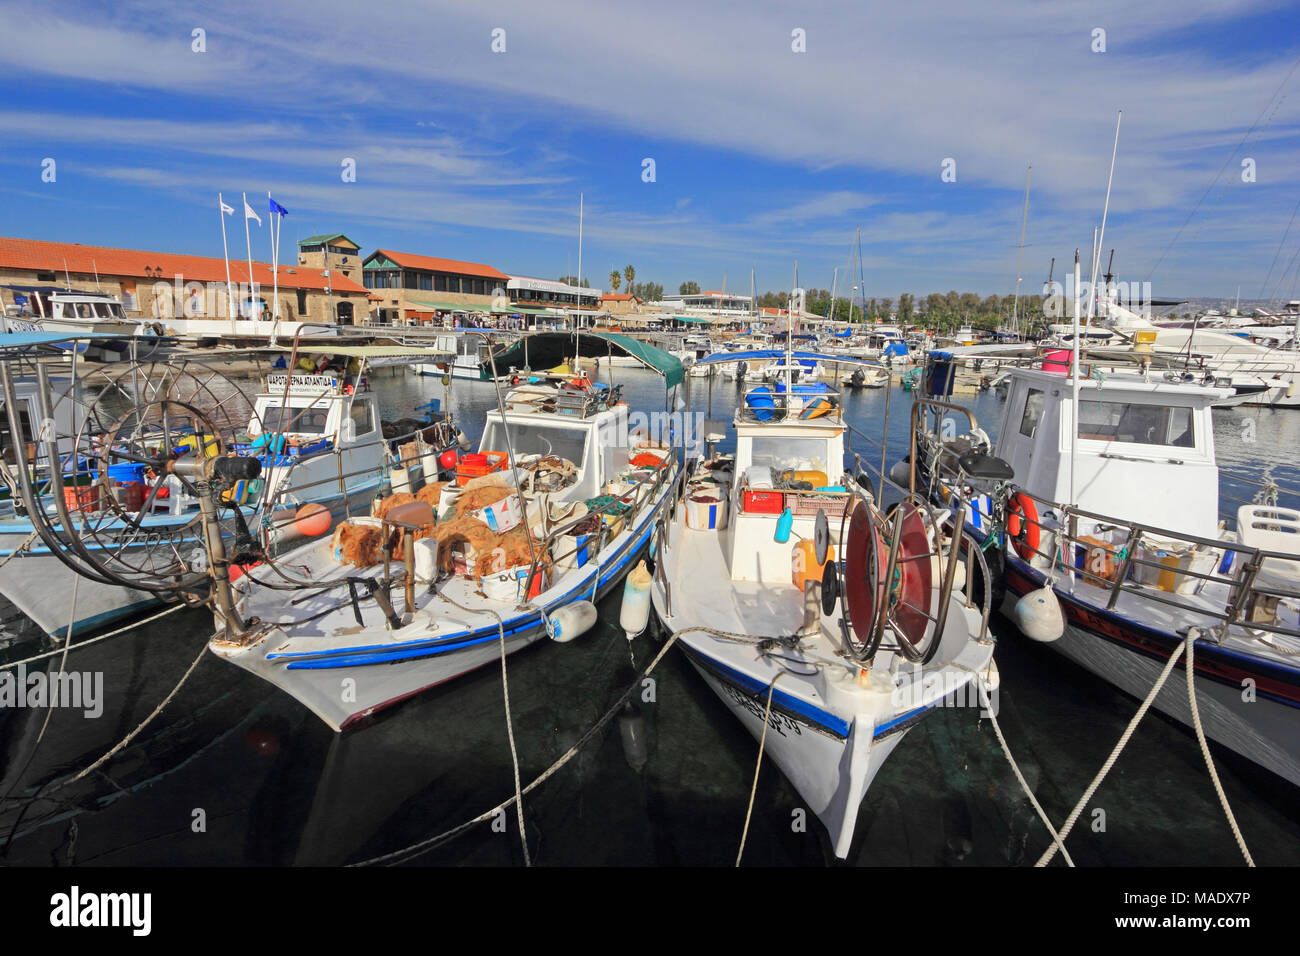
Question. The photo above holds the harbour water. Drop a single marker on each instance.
(235, 772)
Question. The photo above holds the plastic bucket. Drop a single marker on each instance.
(1057, 361)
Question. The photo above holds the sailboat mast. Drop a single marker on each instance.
(1020, 259)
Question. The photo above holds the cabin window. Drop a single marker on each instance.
(294, 419)
(1033, 413)
(1137, 424)
(786, 454)
(360, 415)
(529, 439)
(7, 448)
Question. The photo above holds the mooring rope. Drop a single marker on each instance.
(1205, 747)
(762, 740)
(510, 730)
(987, 704)
(1114, 754)
(95, 640)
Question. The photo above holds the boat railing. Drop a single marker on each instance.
(287, 490)
(1169, 568)
(800, 404)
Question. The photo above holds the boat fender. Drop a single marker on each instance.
(571, 621)
(632, 733)
(1038, 615)
(783, 526)
(635, 612)
(901, 472)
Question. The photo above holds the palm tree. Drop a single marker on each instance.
(629, 274)
(614, 279)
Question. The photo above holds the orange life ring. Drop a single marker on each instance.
(1022, 526)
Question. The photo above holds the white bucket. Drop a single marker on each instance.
(426, 560)
(706, 515)
(400, 480)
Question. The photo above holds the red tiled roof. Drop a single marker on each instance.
(619, 297)
(36, 254)
(433, 264)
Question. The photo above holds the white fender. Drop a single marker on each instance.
(1039, 617)
(571, 621)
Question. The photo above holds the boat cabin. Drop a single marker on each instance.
(789, 458)
(1145, 447)
(584, 426)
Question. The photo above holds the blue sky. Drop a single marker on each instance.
(763, 156)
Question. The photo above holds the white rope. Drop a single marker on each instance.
(1205, 747)
(95, 640)
(1114, 755)
(144, 723)
(26, 543)
(987, 704)
(510, 730)
(762, 740)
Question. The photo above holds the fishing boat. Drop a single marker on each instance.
(115, 525)
(771, 572)
(546, 517)
(866, 377)
(1115, 550)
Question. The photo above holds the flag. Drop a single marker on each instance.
(228, 210)
(249, 214)
(276, 207)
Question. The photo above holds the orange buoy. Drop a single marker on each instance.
(313, 520)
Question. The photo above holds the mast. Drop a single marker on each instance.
(1101, 237)
(1074, 383)
(1024, 221)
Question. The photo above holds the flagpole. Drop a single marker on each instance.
(225, 252)
(275, 262)
(275, 269)
(248, 243)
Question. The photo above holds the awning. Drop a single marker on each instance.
(773, 355)
(445, 306)
(366, 351)
(548, 349)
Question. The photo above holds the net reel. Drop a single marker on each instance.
(120, 501)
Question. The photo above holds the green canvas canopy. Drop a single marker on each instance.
(548, 349)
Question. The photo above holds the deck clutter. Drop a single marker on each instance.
(831, 597)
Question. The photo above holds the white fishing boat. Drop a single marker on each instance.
(1115, 549)
(549, 515)
(772, 573)
(124, 523)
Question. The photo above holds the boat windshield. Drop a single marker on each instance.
(294, 419)
(784, 454)
(530, 438)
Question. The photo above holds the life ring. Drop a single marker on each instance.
(1022, 526)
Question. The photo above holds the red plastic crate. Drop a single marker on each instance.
(763, 502)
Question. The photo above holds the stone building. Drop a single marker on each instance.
(184, 292)
(416, 289)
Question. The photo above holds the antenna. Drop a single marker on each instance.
(94, 265)
(67, 279)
